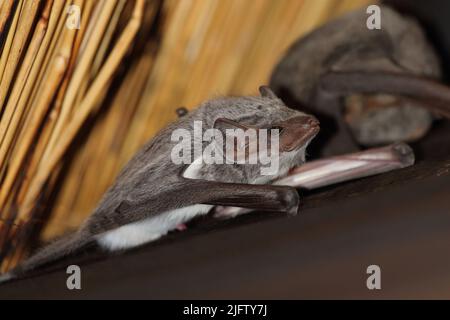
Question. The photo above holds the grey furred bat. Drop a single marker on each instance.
(153, 195)
(345, 58)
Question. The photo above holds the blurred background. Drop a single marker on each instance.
(77, 101)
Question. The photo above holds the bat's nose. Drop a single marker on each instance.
(298, 131)
(305, 122)
(309, 122)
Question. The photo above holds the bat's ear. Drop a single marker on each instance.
(266, 92)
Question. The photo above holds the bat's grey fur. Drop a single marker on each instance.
(347, 45)
(151, 185)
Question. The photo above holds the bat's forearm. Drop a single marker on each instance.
(325, 172)
(435, 95)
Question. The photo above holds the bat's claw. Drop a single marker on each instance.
(291, 201)
(293, 211)
(404, 153)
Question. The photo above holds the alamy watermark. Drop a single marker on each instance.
(73, 21)
(233, 146)
(73, 281)
(374, 280)
(374, 20)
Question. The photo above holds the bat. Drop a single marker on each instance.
(153, 194)
(367, 87)
(337, 169)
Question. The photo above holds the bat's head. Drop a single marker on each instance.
(261, 138)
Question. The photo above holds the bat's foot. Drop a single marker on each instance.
(225, 213)
(181, 227)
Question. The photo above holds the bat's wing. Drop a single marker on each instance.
(140, 205)
(434, 95)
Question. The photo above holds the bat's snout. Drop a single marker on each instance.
(297, 132)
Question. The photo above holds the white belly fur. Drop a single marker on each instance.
(141, 232)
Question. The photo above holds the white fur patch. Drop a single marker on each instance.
(141, 232)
